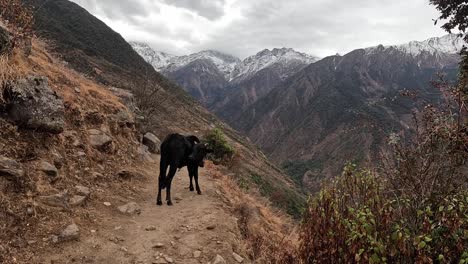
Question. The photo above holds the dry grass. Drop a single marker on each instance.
(30, 147)
(264, 229)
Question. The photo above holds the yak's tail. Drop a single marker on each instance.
(162, 172)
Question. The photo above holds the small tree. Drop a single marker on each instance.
(222, 150)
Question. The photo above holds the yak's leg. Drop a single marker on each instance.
(170, 176)
(195, 174)
(162, 179)
(190, 171)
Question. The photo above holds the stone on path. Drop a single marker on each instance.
(130, 208)
(197, 254)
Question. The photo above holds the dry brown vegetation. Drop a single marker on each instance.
(25, 221)
(267, 232)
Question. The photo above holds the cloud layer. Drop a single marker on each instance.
(244, 27)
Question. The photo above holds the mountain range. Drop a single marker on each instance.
(309, 114)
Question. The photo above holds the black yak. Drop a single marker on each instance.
(178, 151)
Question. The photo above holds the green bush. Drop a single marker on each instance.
(222, 150)
(355, 220)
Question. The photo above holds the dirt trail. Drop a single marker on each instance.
(195, 223)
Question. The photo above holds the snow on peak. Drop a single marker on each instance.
(286, 58)
(159, 60)
(450, 44)
(224, 62)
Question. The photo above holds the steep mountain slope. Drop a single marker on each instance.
(159, 60)
(285, 61)
(342, 107)
(164, 107)
(255, 77)
(202, 79)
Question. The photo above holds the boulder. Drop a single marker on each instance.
(130, 208)
(152, 142)
(31, 104)
(144, 154)
(48, 168)
(10, 168)
(5, 44)
(99, 139)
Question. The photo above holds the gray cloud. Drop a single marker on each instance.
(244, 27)
(210, 9)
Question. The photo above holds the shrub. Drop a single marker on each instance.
(354, 220)
(222, 150)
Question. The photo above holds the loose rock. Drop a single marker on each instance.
(144, 154)
(130, 208)
(71, 232)
(197, 254)
(10, 168)
(238, 258)
(82, 190)
(168, 259)
(77, 200)
(218, 260)
(158, 245)
(150, 228)
(152, 142)
(56, 200)
(107, 204)
(99, 139)
(48, 168)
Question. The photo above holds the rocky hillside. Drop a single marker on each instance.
(342, 108)
(71, 152)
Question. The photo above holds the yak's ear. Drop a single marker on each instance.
(193, 139)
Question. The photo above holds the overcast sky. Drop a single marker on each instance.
(244, 27)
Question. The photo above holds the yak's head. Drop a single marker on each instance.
(200, 150)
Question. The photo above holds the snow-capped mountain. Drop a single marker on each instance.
(168, 63)
(159, 60)
(448, 44)
(224, 62)
(285, 59)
